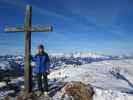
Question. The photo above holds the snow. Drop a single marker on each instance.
(112, 79)
(2, 84)
(17, 80)
(4, 65)
(111, 95)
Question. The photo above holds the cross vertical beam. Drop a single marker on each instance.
(27, 68)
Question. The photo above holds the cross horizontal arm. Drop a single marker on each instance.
(41, 29)
(34, 29)
(14, 29)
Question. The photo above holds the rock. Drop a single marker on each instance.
(8, 98)
(77, 91)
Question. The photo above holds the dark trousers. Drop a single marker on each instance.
(42, 82)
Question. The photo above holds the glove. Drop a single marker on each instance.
(46, 73)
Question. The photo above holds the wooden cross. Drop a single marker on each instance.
(28, 29)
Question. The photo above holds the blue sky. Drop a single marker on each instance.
(103, 26)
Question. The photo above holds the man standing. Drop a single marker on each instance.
(42, 63)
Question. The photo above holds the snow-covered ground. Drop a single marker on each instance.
(111, 79)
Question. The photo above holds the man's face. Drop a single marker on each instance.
(40, 50)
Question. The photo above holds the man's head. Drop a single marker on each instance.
(40, 48)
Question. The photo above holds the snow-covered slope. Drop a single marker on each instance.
(112, 80)
(4, 65)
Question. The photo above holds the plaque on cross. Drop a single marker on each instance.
(28, 29)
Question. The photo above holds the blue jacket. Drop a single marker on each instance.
(42, 63)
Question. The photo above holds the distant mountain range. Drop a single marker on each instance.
(74, 55)
(10, 64)
(78, 55)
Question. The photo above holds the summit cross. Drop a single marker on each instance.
(28, 29)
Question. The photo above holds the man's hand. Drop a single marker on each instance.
(33, 64)
(47, 73)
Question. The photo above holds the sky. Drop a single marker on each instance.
(103, 26)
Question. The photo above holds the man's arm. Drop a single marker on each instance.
(47, 63)
(33, 59)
